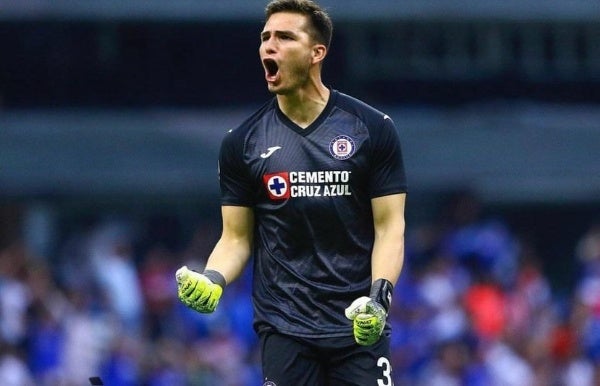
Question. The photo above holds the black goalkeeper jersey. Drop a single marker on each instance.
(310, 190)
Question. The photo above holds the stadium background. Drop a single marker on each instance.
(111, 114)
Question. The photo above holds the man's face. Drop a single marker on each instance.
(286, 52)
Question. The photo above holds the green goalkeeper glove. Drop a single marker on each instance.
(199, 291)
(369, 314)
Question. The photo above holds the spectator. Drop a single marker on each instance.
(15, 296)
(13, 369)
(111, 254)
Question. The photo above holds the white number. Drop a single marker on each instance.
(384, 363)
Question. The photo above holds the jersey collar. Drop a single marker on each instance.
(317, 122)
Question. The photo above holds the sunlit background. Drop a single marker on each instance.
(111, 117)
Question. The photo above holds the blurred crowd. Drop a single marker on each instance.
(474, 307)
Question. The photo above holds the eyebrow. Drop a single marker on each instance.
(278, 32)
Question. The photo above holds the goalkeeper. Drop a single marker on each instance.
(313, 188)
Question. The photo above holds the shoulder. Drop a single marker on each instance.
(366, 113)
(240, 132)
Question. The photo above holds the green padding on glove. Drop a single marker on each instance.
(368, 318)
(197, 291)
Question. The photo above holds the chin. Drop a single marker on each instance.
(279, 90)
(276, 90)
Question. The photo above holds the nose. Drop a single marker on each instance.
(268, 45)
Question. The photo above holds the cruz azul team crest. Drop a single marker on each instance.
(342, 147)
(278, 185)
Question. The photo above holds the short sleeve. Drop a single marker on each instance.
(236, 185)
(387, 167)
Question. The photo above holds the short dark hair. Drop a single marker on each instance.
(320, 21)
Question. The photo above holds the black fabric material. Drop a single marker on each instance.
(381, 292)
(288, 360)
(215, 277)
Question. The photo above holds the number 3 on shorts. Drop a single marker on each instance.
(384, 363)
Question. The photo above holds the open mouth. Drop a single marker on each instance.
(271, 69)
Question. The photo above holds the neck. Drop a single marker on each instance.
(304, 106)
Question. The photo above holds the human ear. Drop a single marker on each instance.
(319, 52)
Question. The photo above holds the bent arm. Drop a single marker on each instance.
(388, 249)
(233, 250)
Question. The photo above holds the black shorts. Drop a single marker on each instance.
(295, 361)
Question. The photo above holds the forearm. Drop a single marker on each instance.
(229, 257)
(369, 313)
(387, 258)
(232, 251)
(388, 248)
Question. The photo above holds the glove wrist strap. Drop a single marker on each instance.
(381, 292)
(215, 277)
